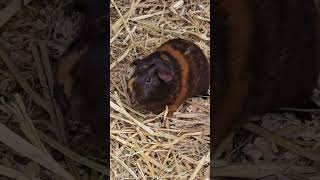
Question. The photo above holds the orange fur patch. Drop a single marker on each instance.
(181, 96)
(241, 23)
(64, 71)
(130, 84)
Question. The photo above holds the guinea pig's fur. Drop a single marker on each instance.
(81, 80)
(177, 70)
(265, 58)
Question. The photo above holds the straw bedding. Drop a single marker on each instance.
(144, 146)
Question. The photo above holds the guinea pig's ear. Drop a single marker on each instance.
(164, 74)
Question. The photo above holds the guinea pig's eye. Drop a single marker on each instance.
(148, 80)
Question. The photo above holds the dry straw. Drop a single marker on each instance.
(143, 146)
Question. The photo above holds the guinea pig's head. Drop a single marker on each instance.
(153, 82)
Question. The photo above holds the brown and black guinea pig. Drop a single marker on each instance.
(176, 71)
(266, 57)
(81, 77)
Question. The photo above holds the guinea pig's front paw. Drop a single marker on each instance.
(170, 114)
(172, 109)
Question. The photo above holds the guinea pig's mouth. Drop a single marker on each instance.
(133, 95)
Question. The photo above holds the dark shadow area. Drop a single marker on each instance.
(54, 84)
(265, 105)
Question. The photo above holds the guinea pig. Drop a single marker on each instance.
(81, 79)
(265, 58)
(177, 70)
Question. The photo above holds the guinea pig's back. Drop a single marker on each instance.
(196, 65)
